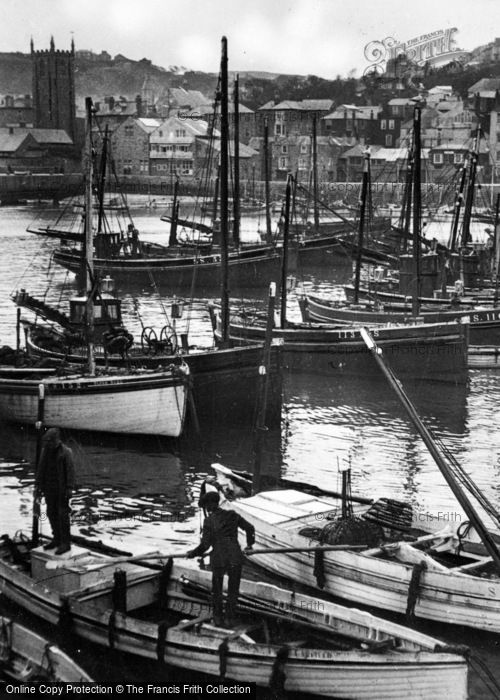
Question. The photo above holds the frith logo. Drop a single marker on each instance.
(437, 47)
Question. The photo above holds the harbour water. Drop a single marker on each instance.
(141, 494)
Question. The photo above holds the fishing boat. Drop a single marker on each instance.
(128, 259)
(134, 401)
(445, 573)
(424, 351)
(26, 657)
(159, 610)
(223, 378)
(484, 321)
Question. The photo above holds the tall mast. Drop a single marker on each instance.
(471, 183)
(266, 183)
(459, 198)
(361, 225)
(315, 174)
(284, 267)
(417, 210)
(172, 239)
(102, 179)
(224, 179)
(236, 202)
(89, 241)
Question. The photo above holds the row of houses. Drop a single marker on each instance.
(176, 145)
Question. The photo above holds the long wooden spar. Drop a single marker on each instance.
(430, 443)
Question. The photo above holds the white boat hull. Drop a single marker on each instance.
(146, 404)
(418, 671)
(442, 595)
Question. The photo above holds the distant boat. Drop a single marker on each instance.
(133, 402)
(120, 252)
(27, 657)
(422, 350)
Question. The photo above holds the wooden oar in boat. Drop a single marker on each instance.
(61, 563)
(313, 548)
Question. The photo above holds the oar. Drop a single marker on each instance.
(63, 563)
(305, 548)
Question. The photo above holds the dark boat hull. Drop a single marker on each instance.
(484, 324)
(431, 351)
(247, 268)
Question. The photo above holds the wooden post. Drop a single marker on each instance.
(18, 330)
(35, 530)
(260, 427)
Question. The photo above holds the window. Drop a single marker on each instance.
(280, 130)
(388, 140)
(183, 149)
(458, 158)
(284, 148)
(283, 163)
(437, 158)
(302, 164)
(129, 131)
(304, 148)
(187, 167)
(280, 116)
(383, 124)
(160, 133)
(180, 133)
(391, 124)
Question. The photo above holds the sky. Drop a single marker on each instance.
(321, 37)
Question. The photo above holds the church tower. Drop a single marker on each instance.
(54, 88)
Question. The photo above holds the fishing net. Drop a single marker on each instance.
(352, 530)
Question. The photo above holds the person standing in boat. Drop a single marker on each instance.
(55, 478)
(220, 531)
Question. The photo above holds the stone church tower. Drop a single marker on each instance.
(54, 88)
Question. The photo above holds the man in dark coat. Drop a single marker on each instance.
(220, 531)
(55, 480)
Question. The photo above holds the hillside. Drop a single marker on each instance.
(101, 75)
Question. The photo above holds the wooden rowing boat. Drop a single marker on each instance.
(27, 657)
(313, 645)
(427, 574)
